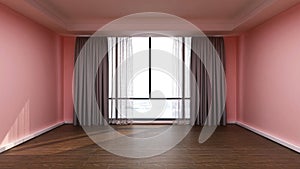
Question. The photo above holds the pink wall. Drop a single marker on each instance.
(269, 77)
(68, 57)
(231, 49)
(31, 76)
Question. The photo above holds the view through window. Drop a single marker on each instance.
(130, 90)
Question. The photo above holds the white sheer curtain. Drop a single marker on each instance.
(177, 106)
(120, 71)
(181, 68)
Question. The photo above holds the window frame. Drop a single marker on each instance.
(182, 99)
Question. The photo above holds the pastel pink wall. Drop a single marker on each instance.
(68, 57)
(269, 77)
(231, 49)
(30, 75)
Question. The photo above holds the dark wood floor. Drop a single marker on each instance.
(230, 147)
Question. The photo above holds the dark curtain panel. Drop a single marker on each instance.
(91, 50)
(203, 99)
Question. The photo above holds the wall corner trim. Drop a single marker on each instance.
(270, 137)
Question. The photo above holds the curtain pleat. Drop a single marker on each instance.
(121, 65)
(91, 81)
(208, 89)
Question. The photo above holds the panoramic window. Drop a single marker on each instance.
(139, 67)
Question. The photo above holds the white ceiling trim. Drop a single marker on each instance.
(223, 25)
(248, 15)
(59, 22)
(49, 12)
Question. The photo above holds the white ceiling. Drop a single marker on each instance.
(75, 17)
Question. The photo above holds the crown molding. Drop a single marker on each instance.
(68, 26)
(49, 12)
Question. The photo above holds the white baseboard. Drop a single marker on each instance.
(68, 122)
(29, 137)
(264, 134)
(231, 122)
(269, 136)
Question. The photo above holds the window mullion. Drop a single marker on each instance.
(150, 67)
(117, 96)
(183, 78)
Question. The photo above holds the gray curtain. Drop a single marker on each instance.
(201, 101)
(91, 81)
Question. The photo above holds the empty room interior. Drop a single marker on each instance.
(137, 84)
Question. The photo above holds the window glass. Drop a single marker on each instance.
(169, 81)
(166, 66)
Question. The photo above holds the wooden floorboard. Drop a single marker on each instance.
(230, 147)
